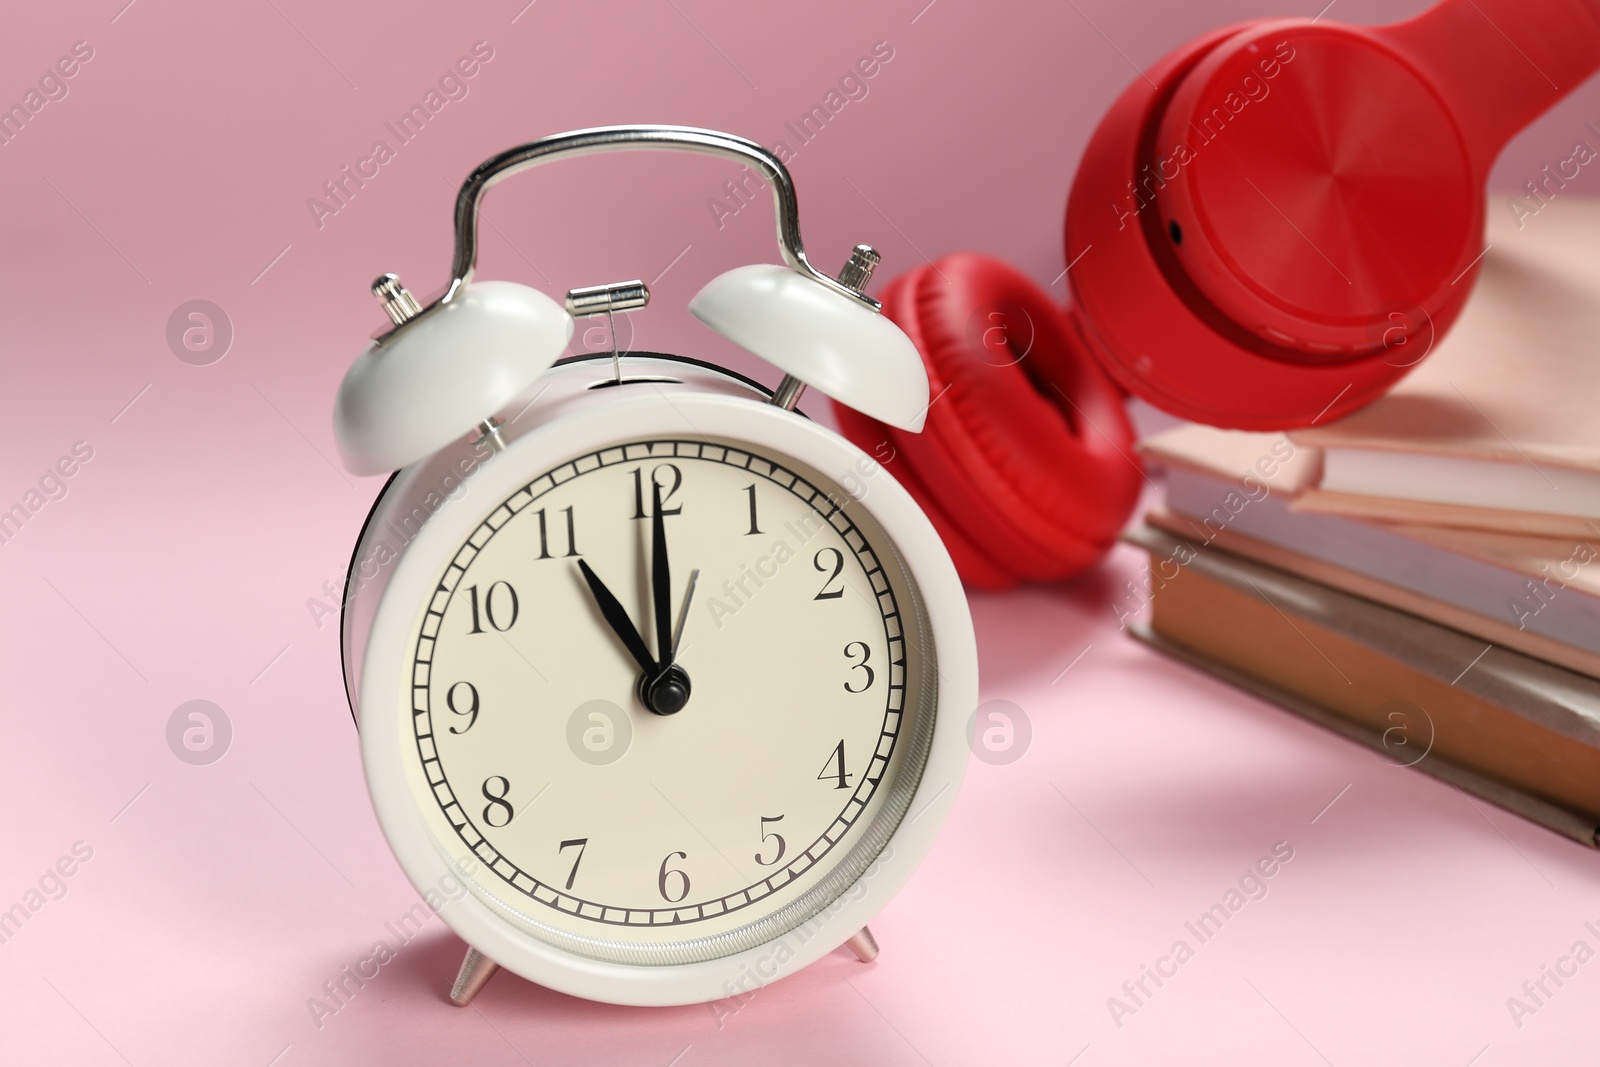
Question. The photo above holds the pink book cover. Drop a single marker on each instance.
(1517, 378)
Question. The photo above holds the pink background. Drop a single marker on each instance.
(219, 898)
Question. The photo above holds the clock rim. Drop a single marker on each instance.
(575, 432)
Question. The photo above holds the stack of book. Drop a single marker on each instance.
(1423, 576)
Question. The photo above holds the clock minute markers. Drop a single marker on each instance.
(645, 872)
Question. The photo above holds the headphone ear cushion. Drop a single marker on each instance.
(1027, 451)
(878, 441)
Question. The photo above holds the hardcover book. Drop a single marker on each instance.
(1520, 732)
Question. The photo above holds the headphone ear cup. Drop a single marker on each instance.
(1027, 451)
(877, 439)
(1246, 196)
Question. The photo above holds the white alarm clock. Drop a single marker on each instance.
(662, 687)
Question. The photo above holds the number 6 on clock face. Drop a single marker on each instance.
(672, 703)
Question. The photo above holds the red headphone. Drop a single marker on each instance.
(1264, 231)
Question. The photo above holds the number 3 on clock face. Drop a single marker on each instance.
(602, 821)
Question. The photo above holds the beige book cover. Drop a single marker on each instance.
(1284, 465)
(1500, 421)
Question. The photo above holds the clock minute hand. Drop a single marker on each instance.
(661, 583)
(616, 617)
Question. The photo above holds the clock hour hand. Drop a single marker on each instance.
(616, 617)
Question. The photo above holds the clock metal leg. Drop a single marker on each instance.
(863, 944)
(476, 970)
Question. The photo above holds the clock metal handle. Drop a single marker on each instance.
(624, 138)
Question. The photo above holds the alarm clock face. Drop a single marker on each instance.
(668, 836)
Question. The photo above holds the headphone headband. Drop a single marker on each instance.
(1463, 46)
